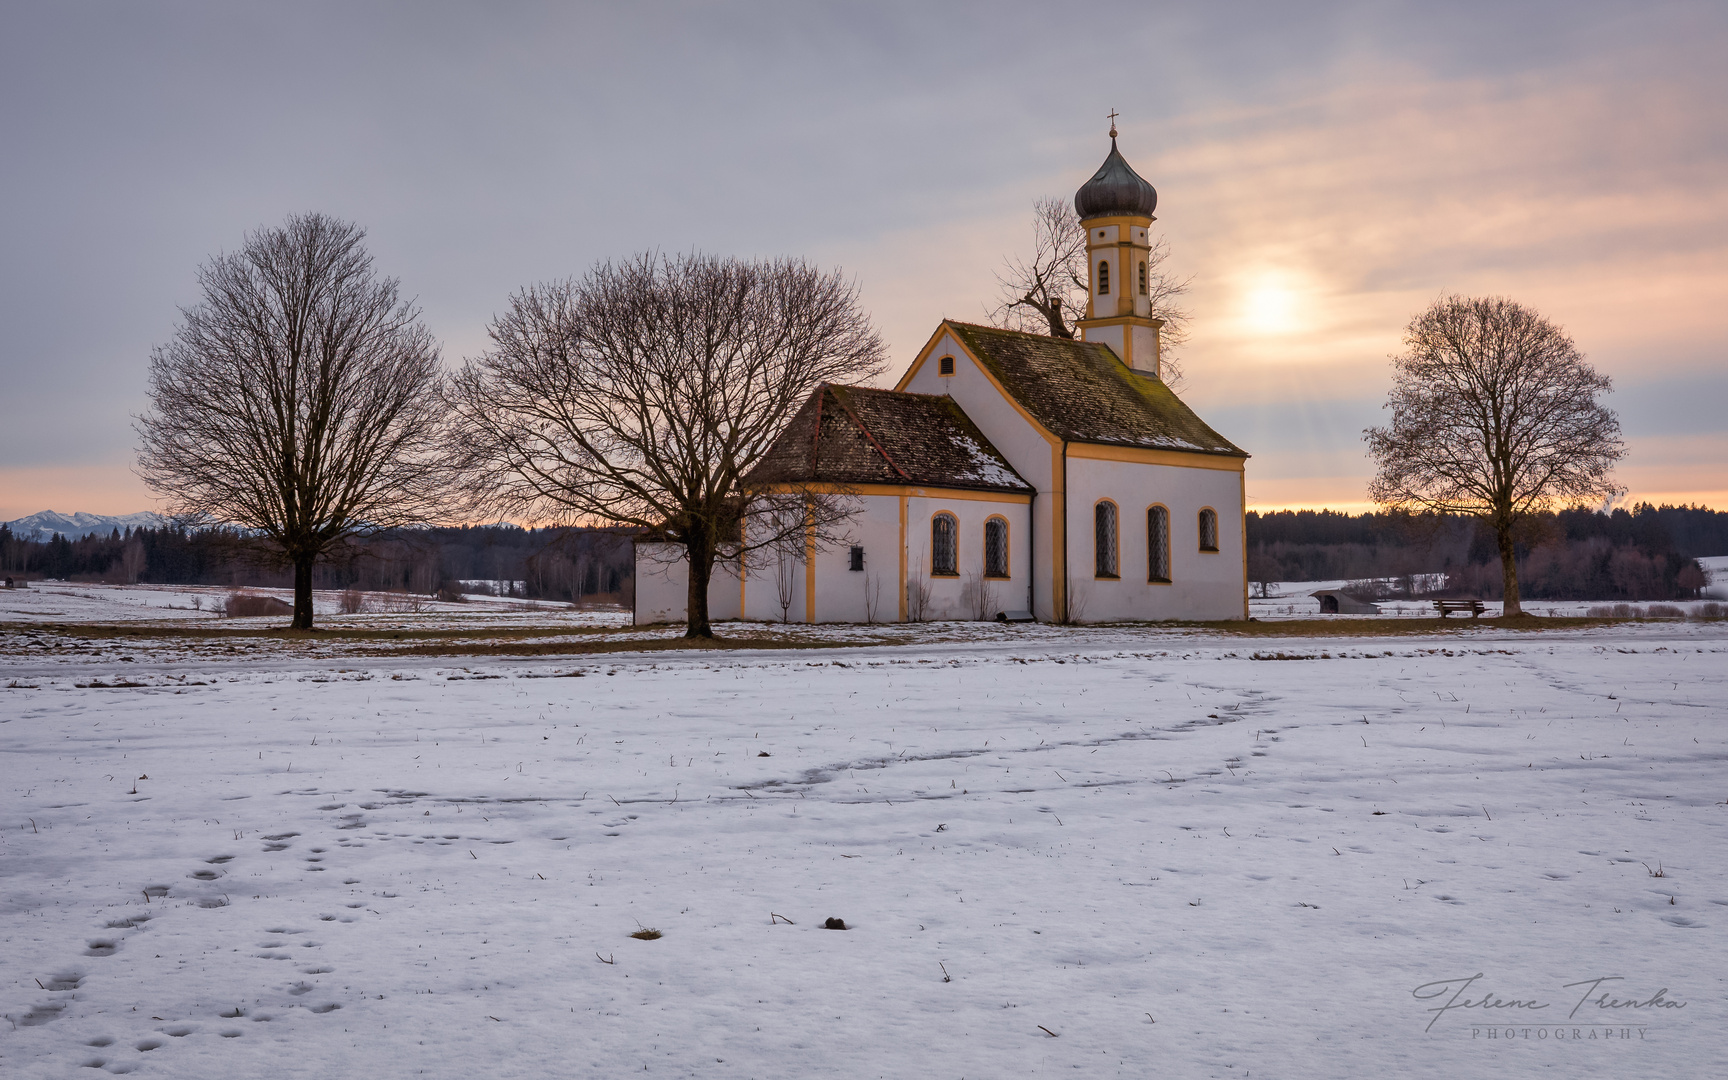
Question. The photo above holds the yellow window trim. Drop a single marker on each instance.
(1198, 537)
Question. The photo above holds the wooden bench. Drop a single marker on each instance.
(1447, 607)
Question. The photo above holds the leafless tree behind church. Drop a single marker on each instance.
(299, 398)
(1046, 292)
(644, 393)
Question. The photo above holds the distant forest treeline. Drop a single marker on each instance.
(1646, 553)
(1641, 554)
(553, 564)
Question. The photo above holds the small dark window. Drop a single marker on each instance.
(1208, 530)
(1158, 544)
(857, 561)
(1104, 536)
(1142, 279)
(996, 548)
(1104, 277)
(943, 549)
(945, 366)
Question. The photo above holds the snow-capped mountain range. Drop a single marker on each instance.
(43, 526)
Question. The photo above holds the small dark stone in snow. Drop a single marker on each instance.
(834, 924)
(763, 754)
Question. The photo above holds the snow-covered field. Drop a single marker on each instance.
(1099, 852)
(69, 602)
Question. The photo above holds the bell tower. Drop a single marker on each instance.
(1115, 209)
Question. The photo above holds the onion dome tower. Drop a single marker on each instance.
(1115, 208)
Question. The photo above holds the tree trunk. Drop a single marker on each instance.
(1052, 312)
(1508, 569)
(699, 551)
(302, 592)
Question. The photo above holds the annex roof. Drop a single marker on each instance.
(1081, 391)
(858, 435)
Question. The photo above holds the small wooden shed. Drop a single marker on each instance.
(1339, 602)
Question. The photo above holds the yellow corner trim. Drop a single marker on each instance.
(902, 590)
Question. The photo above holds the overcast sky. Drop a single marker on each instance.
(1324, 172)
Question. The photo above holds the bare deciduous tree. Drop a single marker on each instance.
(872, 596)
(1047, 293)
(918, 594)
(1494, 414)
(978, 595)
(645, 393)
(299, 398)
(788, 561)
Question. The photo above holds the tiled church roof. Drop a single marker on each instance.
(1080, 391)
(857, 435)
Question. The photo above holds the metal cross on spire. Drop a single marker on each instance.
(1113, 115)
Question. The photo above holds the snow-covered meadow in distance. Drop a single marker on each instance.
(1081, 852)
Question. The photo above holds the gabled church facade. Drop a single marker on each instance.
(1008, 473)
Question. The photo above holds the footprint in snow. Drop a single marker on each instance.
(41, 1014)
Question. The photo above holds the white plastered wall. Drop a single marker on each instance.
(955, 597)
(1203, 585)
(1018, 440)
(840, 593)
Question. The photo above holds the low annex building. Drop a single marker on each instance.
(1008, 472)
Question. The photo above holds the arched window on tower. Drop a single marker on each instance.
(944, 531)
(1158, 544)
(1104, 538)
(1103, 277)
(1142, 278)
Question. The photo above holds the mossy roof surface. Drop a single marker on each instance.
(1081, 391)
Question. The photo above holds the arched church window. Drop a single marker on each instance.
(1103, 277)
(945, 366)
(1158, 544)
(1208, 530)
(944, 531)
(1104, 538)
(996, 548)
(1142, 278)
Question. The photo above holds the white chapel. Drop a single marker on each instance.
(1009, 474)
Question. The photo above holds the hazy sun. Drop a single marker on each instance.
(1269, 306)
